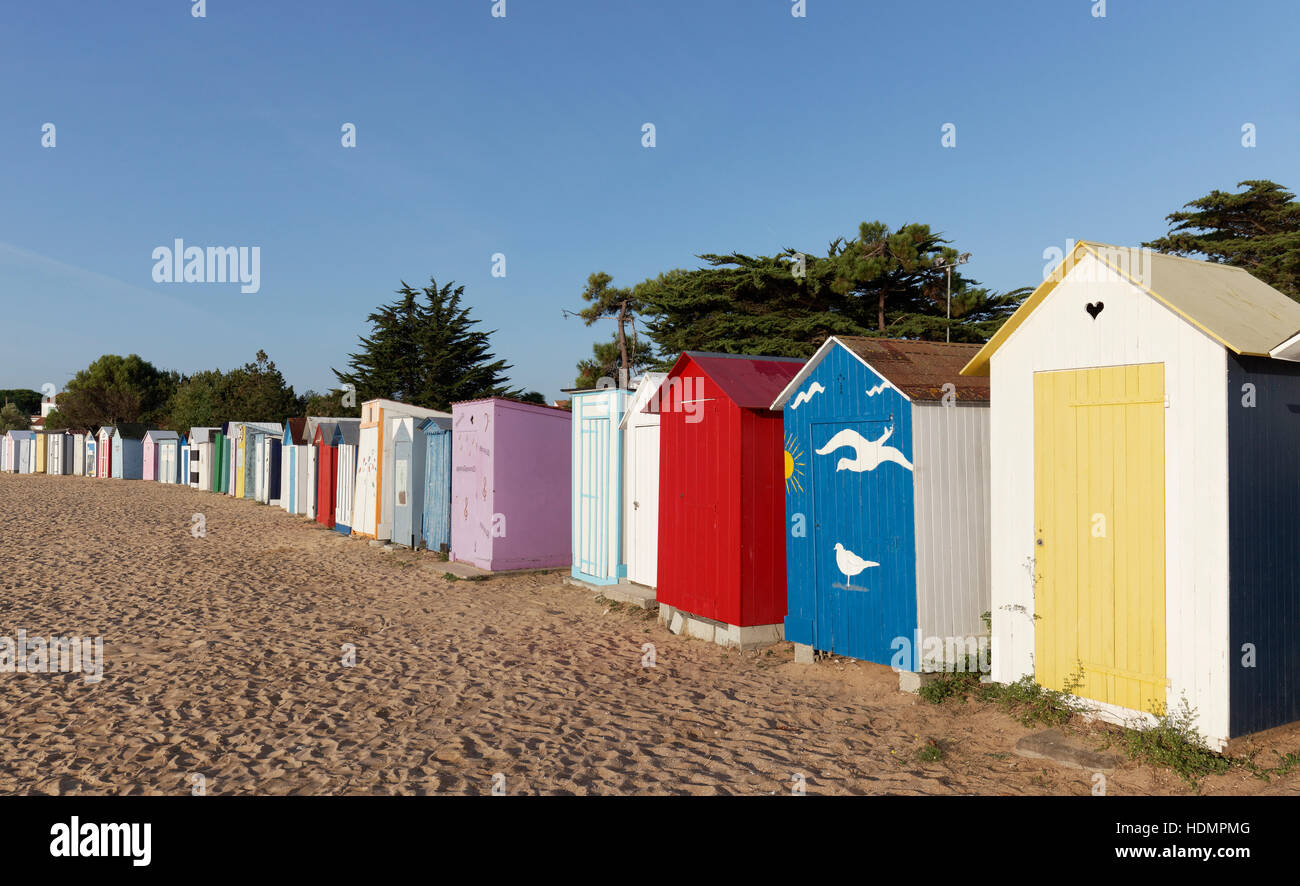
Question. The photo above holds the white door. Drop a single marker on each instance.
(311, 482)
(166, 463)
(643, 553)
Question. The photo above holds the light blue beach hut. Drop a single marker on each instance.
(128, 451)
(436, 520)
(597, 487)
(26, 451)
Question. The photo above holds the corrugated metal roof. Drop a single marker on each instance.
(1236, 309)
(326, 430)
(157, 435)
(348, 430)
(918, 369)
(748, 381)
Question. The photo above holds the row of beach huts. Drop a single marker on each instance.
(1107, 489)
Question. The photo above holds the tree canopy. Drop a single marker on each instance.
(1257, 229)
(606, 360)
(880, 283)
(116, 389)
(13, 419)
(254, 392)
(423, 349)
(622, 304)
(335, 404)
(27, 401)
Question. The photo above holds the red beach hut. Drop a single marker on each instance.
(326, 471)
(722, 497)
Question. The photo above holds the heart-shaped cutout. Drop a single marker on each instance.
(1094, 309)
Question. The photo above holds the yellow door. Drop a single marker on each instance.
(1099, 517)
(240, 454)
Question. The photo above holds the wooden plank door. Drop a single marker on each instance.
(1099, 514)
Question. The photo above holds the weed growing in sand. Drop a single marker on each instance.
(1031, 704)
(451, 576)
(1286, 763)
(949, 685)
(931, 753)
(1175, 742)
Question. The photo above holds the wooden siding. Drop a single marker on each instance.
(598, 485)
(641, 485)
(834, 498)
(1099, 459)
(1264, 556)
(1131, 328)
(437, 489)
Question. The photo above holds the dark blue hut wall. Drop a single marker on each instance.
(1264, 542)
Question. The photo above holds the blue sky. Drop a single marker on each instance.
(478, 135)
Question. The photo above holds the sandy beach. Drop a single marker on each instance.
(223, 666)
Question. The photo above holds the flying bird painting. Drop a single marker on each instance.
(868, 454)
(804, 396)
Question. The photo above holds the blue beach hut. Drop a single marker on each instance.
(437, 484)
(887, 503)
(128, 451)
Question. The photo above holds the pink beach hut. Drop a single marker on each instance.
(510, 495)
(154, 444)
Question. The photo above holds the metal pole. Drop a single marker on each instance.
(948, 330)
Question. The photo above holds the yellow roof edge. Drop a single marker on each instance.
(979, 364)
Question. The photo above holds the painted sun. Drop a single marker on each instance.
(794, 465)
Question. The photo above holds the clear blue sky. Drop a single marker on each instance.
(522, 136)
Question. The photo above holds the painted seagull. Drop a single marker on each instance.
(868, 454)
(850, 563)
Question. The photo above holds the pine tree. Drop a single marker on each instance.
(13, 419)
(1258, 230)
(426, 352)
(623, 304)
(881, 283)
(602, 367)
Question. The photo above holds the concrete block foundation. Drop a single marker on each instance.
(731, 636)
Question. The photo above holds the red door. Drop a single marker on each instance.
(326, 468)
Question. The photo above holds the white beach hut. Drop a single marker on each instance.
(1144, 477)
(372, 514)
(641, 482)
